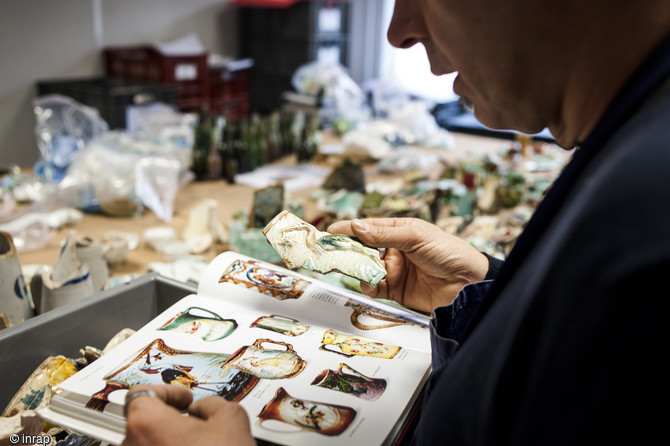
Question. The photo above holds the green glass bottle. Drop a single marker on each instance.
(273, 137)
(252, 147)
(307, 147)
(240, 148)
(202, 140)
(258, 134)
(227, 150)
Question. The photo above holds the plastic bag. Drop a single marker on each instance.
(63, 128)
(105, 176)
(340, 95)
(410, 116)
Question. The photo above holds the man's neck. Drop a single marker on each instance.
(601, 70)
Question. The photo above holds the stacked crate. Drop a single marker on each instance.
(197, 84)
(280, 40)
(111, 97)
(189, 73)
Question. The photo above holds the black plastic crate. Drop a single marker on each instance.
(110, 97)
(303, 20)
(265, 90)
(295, 53)
(314, 20)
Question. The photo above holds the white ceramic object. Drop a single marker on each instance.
(92, 254)
(301, 245)
(117, 246)
(156, 236)
(14, 297)
(203, 228)
(68, 281)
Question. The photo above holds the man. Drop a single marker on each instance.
(565, 345)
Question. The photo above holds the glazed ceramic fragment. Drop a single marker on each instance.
(19, 426)
(69, 280)
(203, 228)
(301, 245)
(36, 391)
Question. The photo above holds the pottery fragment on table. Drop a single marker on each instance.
(203, 228)
(268, 202)
(117, 246)
(347, 175)
(301, 245)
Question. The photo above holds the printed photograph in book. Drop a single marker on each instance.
(349, 346)
(267, 363)
(308, 363)
(305, 415)
(273, 282)
(204, 373)
(200, 322)
(281, 324)
(352, 382)
(366, 317)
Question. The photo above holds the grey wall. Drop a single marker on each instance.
(41, 39)
(367, 36)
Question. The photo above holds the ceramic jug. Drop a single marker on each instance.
(92, 254)
(354, 383)
(68, 281)
(203, 373)
(379, 319)
(14, 298)
(267, 363)
(281, 324)
(207, 325)
(356, 345)
(269, 281)
(322, 418)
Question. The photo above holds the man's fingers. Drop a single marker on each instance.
(402, 235)
(174, 396)
(215, 406)
(372, 291)
(344, 226)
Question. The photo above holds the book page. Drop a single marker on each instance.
(271, 289)
(302, 381)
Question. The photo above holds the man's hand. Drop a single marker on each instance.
(426, 266)
(161, 421)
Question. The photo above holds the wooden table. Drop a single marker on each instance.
(231, 198)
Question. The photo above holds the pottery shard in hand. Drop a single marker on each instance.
(301, 245)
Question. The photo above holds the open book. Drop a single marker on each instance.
(310, 363)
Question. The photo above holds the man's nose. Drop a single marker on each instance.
(407, 26)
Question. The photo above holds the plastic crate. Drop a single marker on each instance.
(111, 97)
(295, 53)
(229, 92)
(303, 20)
(189, 73)
(90, 321)
(315, 20)
(265, 91)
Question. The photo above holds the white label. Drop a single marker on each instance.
(186, 72)
(330, 20)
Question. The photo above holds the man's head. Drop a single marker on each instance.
(528, 64)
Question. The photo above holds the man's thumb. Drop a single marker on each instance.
(379, 236)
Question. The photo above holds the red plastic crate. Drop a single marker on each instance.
(229, 92)
(189, 73)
